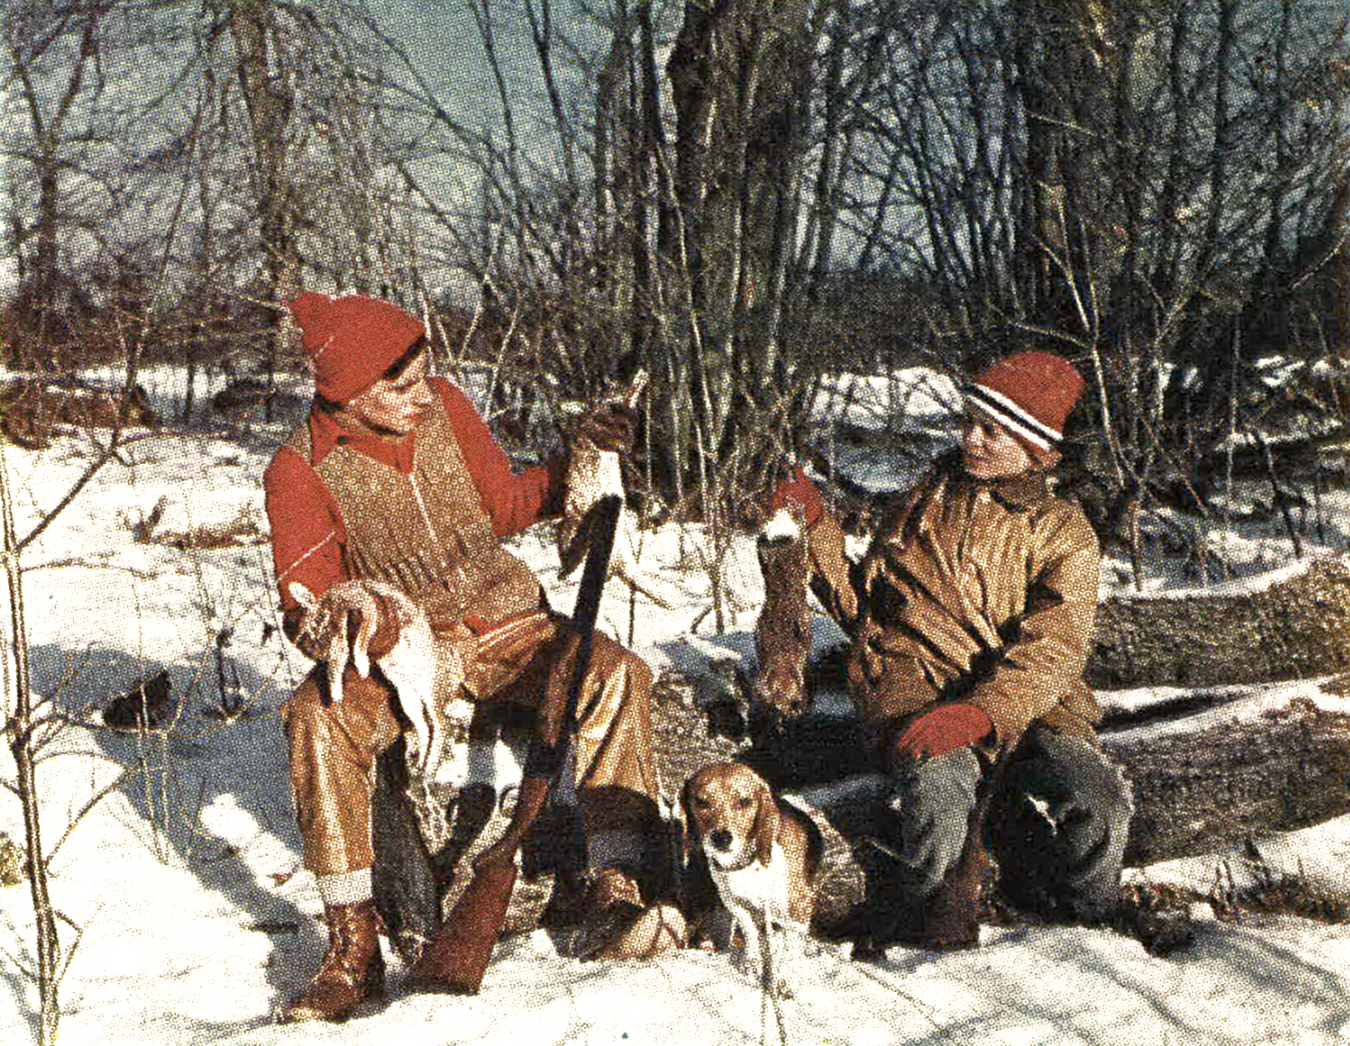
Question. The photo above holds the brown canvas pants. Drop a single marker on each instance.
(333, 748)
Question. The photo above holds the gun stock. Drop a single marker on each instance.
(457, 958)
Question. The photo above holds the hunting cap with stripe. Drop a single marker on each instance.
(1030, 394)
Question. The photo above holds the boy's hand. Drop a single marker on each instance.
(344, 610)
(941, 730)
(609, 427)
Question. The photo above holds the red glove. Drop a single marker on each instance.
(795, 491)
(941, 730)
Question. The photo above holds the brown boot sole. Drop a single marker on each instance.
(655, 931)
(595, 937)
(433, 986)
(367, 1007)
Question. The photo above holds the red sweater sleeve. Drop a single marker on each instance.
(513, 500)
(307, 529)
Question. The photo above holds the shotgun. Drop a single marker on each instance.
(457, 957)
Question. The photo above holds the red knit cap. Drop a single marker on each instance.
(1030, 394)
(351, 341)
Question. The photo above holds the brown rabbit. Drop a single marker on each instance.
(783, 631)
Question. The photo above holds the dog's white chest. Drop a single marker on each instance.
(758, 887)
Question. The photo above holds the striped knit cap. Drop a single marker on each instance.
(1030, 394)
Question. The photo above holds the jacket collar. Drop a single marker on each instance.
(327, 433)
(1013, 492)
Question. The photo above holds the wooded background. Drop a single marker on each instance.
(744, 196)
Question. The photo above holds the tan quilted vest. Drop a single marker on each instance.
(426, 532)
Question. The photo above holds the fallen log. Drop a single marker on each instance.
(34, 410)
(1299, 456)
(246, 397)
(1294, 628)
(1195, 791)
(1297, 626)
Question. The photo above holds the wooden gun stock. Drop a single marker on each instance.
(458, 956)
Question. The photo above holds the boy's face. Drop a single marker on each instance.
(989, 451)
(394, 406)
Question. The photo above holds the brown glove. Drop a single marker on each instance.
(611, 426)
(346, 604)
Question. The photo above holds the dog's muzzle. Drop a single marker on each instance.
(723, 853)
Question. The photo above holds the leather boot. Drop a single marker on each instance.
(950, 919)
(352, 970)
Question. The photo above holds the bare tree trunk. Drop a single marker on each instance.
(269, 99)
(48, 112)
(21, 741)
(1061, 67)
(542, 35)
(740, 73)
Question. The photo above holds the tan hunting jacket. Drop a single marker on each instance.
(976, 591)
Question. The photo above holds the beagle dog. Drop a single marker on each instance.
(763, 856)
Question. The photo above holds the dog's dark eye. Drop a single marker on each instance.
(743, 802)
(700, 802)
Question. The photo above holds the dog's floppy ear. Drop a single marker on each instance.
(765, 828)
(691, 839)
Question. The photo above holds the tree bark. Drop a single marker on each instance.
(740, 75)
(49, 109)
(269, 100)
(1198, 792)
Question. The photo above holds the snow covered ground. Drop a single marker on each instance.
(194, 919)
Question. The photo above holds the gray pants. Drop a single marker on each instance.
(1057, 823)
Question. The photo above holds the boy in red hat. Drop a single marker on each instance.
(394, 478)
(971, 619)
